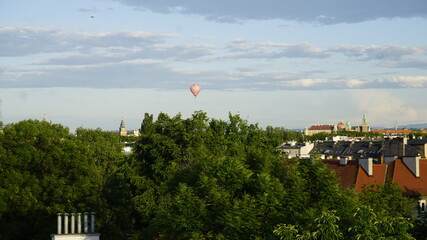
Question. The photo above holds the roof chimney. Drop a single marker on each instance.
(63, 227)
(413, 164)
(366, 164)
(343, 160)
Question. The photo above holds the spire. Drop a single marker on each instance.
(364, 121)
(122, 129)
(45, 118)
(365, 125)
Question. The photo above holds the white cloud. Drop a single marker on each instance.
(407, 63)
(21, 41)
(406, 81)
(387, 52)
(243, 49)
(307, 82)
(50, 57)
(326, 12)
(384, 108)
(354, 83)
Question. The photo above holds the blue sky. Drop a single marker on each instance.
(277, 62)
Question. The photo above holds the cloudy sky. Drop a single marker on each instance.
(283, 63)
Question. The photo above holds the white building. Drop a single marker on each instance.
(294, 149)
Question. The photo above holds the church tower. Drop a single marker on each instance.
(365, 125)
(347, 126)
(122, 129)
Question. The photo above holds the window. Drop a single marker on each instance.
(422, 204)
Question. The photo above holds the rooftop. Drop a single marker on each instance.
(352, 175)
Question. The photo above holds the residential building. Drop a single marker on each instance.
(294, 149)
(331, 128)
(393, 132)
(410, 173)
(315, 129)
(381, 150)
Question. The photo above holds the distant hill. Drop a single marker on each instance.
(417, 126)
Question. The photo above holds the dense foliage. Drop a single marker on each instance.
(44, 170)
(194, 178)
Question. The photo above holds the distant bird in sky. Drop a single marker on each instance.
(92, 17)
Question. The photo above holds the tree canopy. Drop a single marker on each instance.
(187, 178)
(45, 170)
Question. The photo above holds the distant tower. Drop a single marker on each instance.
(45, 118)
(365, 125)
(122, 129)
(347, 126)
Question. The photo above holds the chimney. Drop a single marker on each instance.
(343, 160)
(92, 222)
(59, 223)
(404, 143)
(413, 164)
(65, 223)
(72, 223)
(86, 227)
(367, 165)
(79, 222)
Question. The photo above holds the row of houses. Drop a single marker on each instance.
(359, 162)
(410, 173)
(380, 150)
(364, 127)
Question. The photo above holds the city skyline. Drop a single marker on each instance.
(280, 63)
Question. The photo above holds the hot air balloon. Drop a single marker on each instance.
(195, 89)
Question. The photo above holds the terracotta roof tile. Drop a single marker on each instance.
(321, 127)
(407, 181)
(346, 173)
(353, 175)
(378, 176)
(386, 131)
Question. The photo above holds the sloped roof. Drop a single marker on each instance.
(346, 173)
(349, 148)
(386, 131)
(407, 181)
(321, 127)
(353, 176)
(378, 176)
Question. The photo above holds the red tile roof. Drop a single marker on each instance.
(384, 131)
(321, 127)
(378, 176)
(407, 181)
(346, 173)
(353, 176)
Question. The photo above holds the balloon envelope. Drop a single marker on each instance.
(195, 89)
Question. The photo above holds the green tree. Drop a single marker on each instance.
(45, 170)
(204, 178)
(114, 209)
